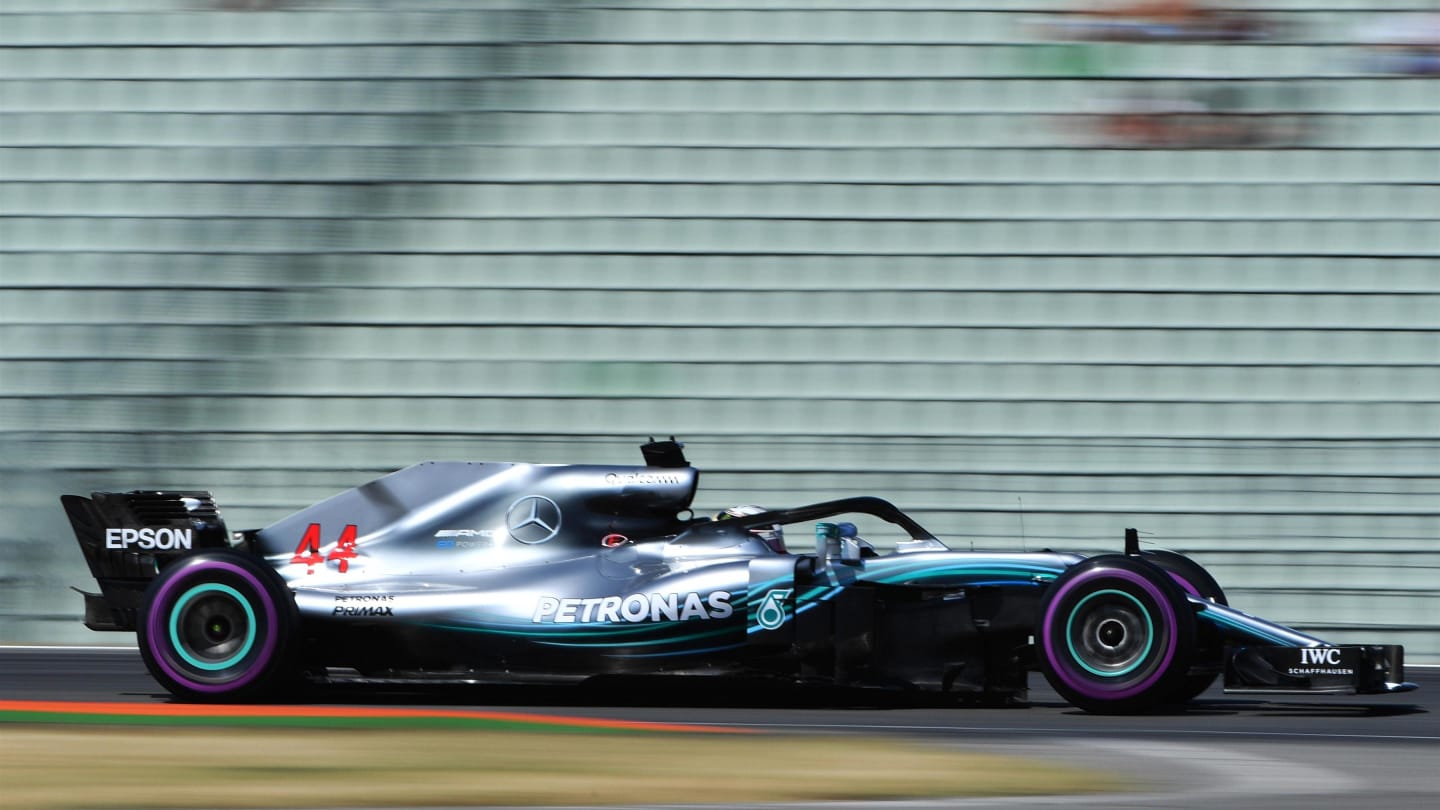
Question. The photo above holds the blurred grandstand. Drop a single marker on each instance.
(967, 255)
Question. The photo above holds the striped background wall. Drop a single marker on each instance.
(837, 247)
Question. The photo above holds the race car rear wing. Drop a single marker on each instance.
(127, 537)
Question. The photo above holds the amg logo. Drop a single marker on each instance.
(636, 607)
(363, 610)
(465, 533)
(148, 539)
(1320, 656)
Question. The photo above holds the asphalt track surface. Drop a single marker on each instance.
(1221, 750)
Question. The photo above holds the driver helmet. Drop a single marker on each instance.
(772, 535)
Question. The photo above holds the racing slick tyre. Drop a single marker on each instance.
(1209, 646)
(1115, 635)
(218, 626)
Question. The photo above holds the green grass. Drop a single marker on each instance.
(68, 766)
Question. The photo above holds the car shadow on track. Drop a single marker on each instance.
(680, 692)
(664, 692)
(1220, 707)
(1339, 711)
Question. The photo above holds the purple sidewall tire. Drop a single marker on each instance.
(1197, 583)
(1185, 585)
(1190, 575)
(1164, 616)
(157, 636)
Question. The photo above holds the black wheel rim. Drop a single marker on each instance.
(213, 627)
(1110, 634)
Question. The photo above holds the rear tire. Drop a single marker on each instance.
(218, 626)
(1115, 635)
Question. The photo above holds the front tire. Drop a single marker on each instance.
(1209, 645)
(1115, 635)
(218, 626)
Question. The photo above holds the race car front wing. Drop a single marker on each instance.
(1337, 670)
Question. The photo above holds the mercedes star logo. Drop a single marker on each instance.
(533, 519)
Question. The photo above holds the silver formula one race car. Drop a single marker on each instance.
(511, 572)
